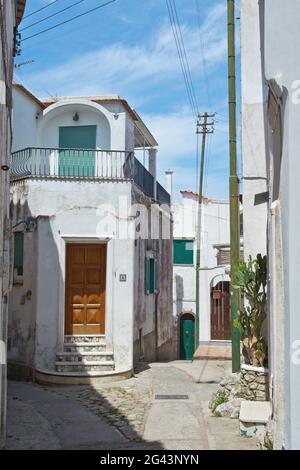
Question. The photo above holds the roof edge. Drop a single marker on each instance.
(28, 93)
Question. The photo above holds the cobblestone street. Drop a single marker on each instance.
(146, 411)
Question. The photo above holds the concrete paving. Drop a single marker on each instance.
(113, 417)
(39, 419)
(176, 423)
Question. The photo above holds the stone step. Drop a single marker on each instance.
(74, 339)
(86, 356)
(84, 347)
(66, 366)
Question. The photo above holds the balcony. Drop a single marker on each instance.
(85, 164)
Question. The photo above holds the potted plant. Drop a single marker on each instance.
(251, 279)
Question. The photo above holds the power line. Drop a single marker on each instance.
(182, 64)
(185, 55)
(68, 21)
(173, 16)
(51, 16)
(40, 9)
(202, 54)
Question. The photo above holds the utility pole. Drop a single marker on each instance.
(203, 128)
(233, 186)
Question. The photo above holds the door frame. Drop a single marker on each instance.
(179, 318)
(68, 316)
(66, 239)
(213, 286)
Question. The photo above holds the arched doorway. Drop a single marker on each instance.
(187, 336)
(220, 312)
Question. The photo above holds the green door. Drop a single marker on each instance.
(187, 338)
(76, 162)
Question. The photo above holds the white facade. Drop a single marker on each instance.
(63, 210)
(253, 135)
(215, 232)
(272, 27)
(11, 12)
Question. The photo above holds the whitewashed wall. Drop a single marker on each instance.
(254, 98)
(281, 27)
(215, 230)
(26, 114)
(71, 215)
(8, 23)
(34, 127)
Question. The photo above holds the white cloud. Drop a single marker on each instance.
(175, 133)
(132, 70)
(149, 72)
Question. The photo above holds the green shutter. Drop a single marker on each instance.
(147, 276)
(152, 275)
(74, 162)
(183, 252)
(18, 252)
(155, 276)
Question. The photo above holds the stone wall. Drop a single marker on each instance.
(254, 383)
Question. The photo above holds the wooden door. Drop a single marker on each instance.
(220, 312)
(85, 288)
(187, 337)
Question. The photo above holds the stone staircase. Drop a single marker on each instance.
(84, 354)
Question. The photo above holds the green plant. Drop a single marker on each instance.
(251, 279)
(268, 444)
(220, 397)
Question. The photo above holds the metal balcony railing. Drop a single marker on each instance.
(71, 163)
(85, 164)
(162, 195)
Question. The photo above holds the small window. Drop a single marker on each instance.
(183, 252)
(18, 256)
(150, 276)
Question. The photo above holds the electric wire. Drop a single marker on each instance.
(40, 9)
(68, 20)
(185, 56)
(182, 63)
(204, 66)
(51, 16)
(178, 38)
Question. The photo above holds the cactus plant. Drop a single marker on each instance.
(252, 281)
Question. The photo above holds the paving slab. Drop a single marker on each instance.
(126, 415)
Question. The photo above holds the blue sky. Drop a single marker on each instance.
(127, 48)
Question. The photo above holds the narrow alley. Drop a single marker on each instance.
(164, 406)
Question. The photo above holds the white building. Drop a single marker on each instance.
(11, 12)
(92, 290)
(214, 321)
(271, 143)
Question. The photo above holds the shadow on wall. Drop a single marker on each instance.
(179, 294)
(22, 299)
(179, 289)
(36, 268)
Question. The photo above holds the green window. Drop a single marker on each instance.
(18, 253)
(150, 275)
(76, 162)
(183, 252)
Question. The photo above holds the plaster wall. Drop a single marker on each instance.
(282, 66)
(215, 230)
